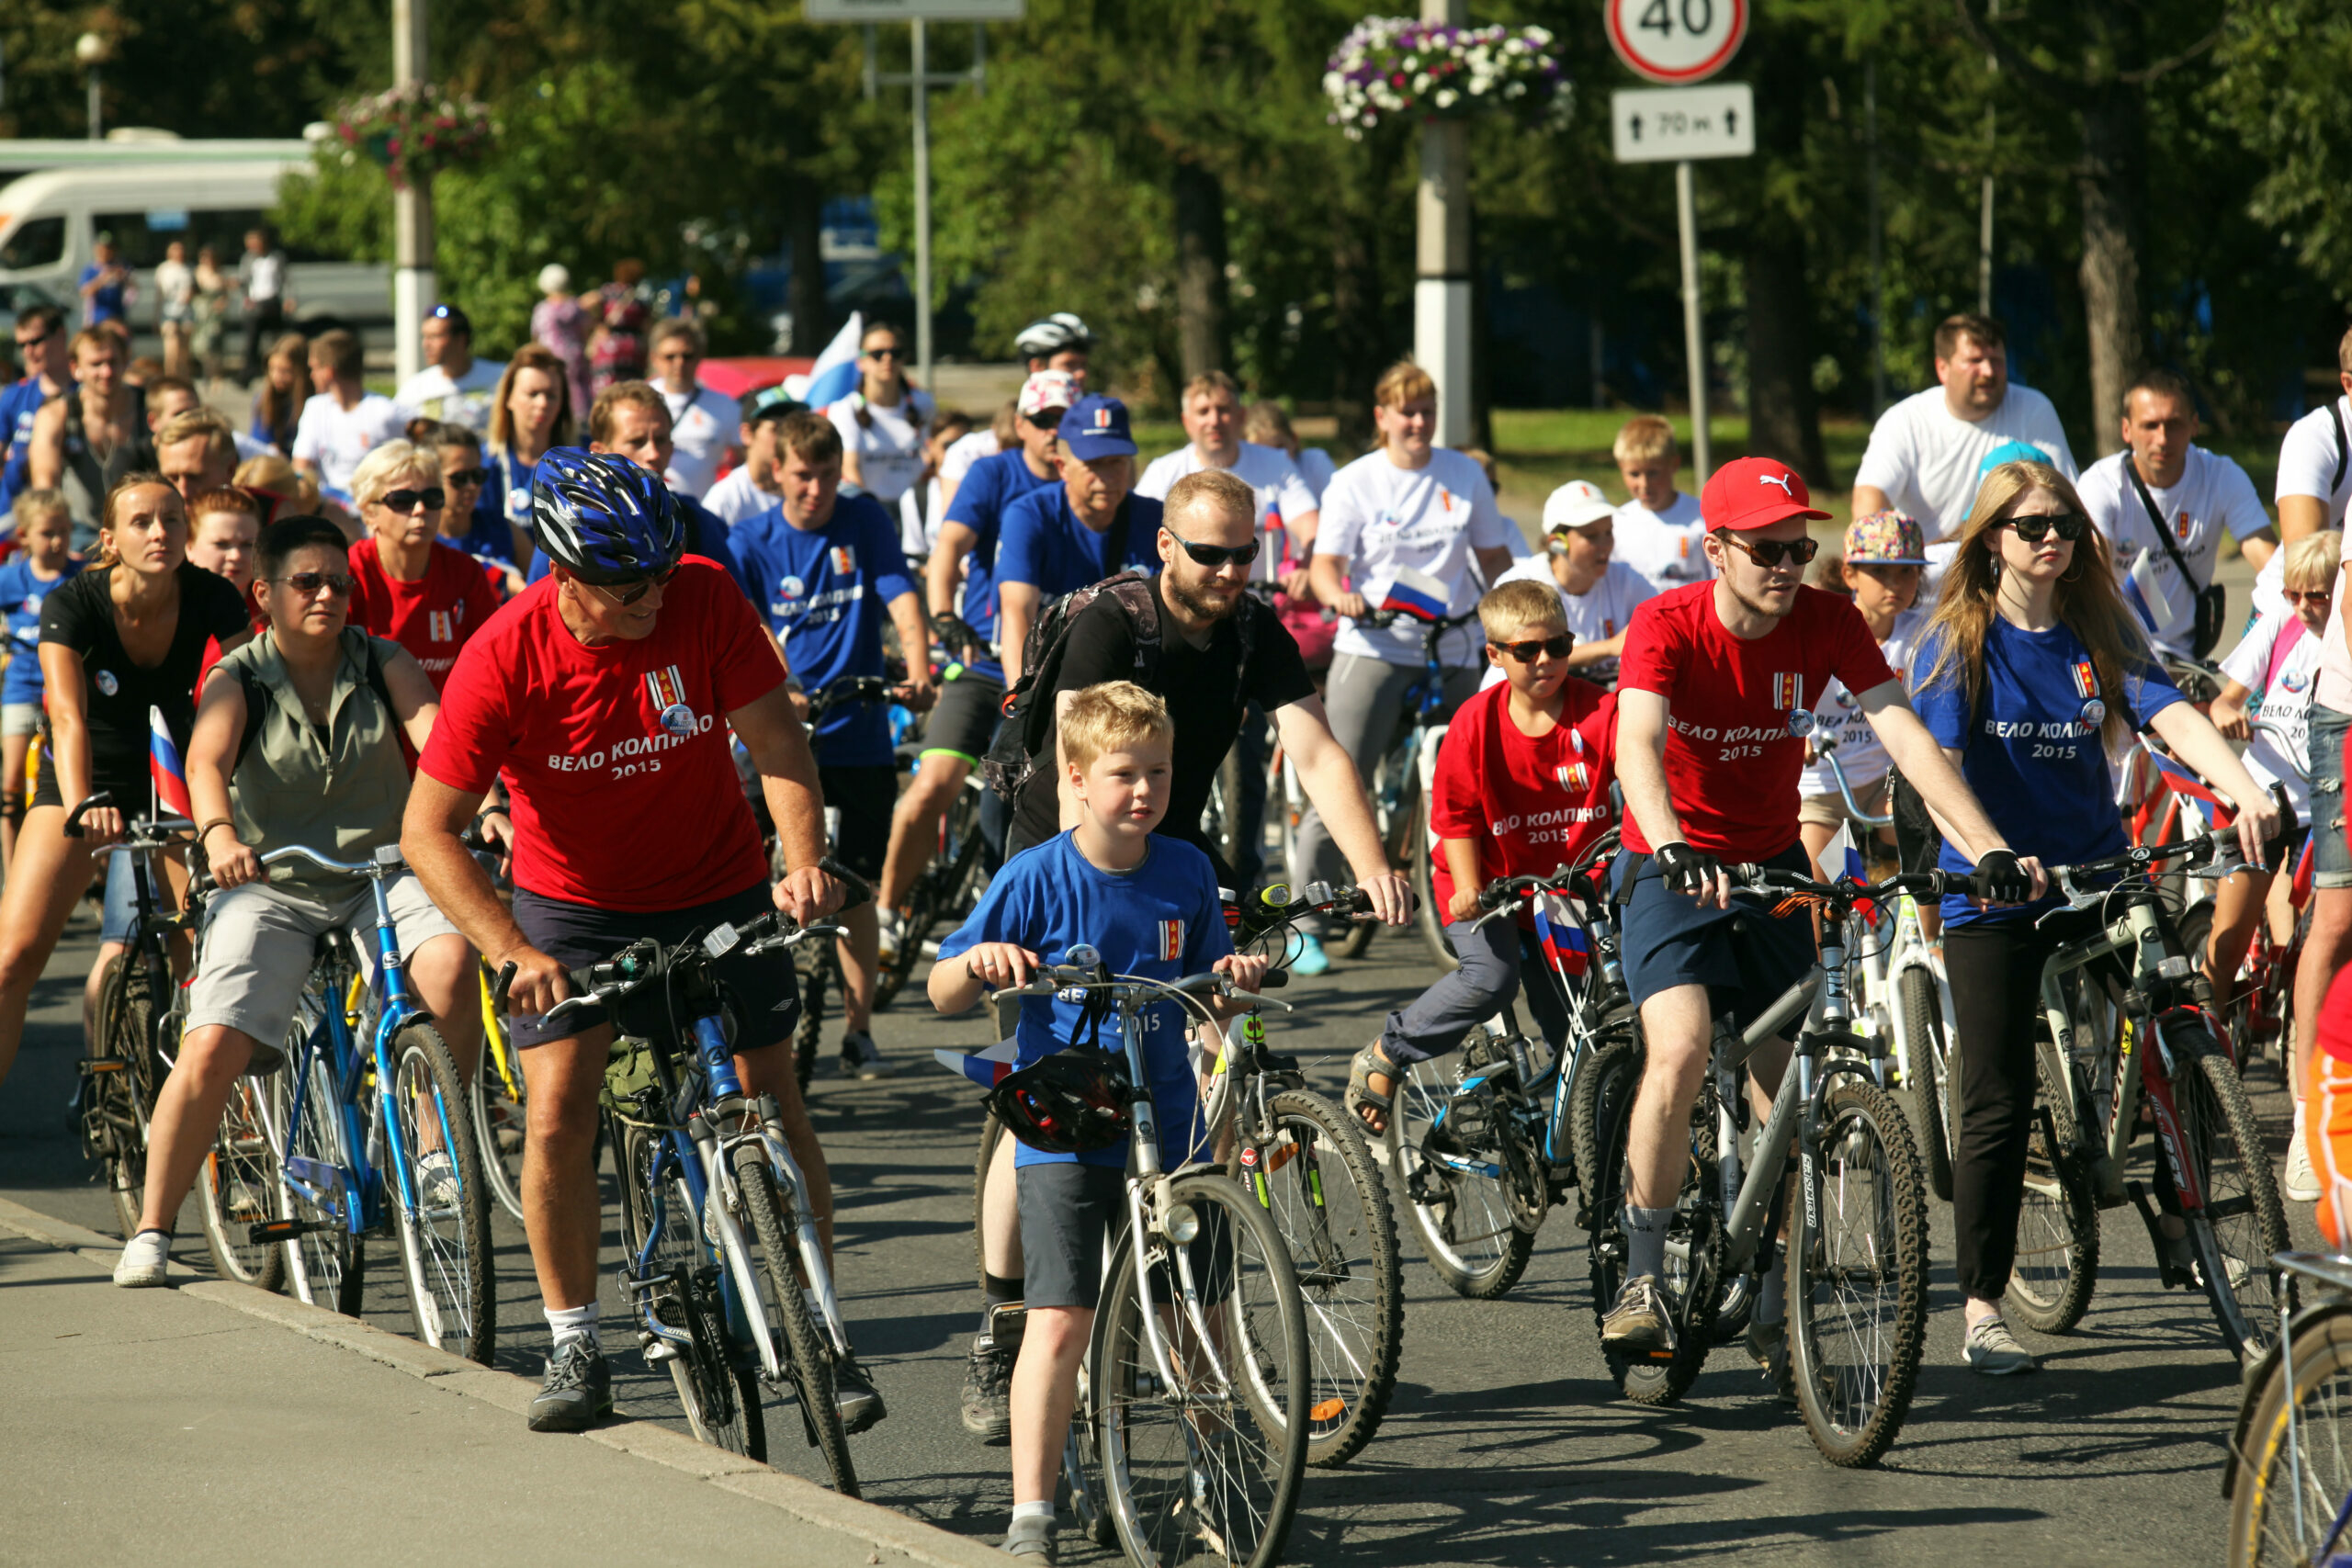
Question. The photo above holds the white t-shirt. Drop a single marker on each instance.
(2280, 751)
(735, 497)
(1839, 715)
(1268, 471)
(965, 451)
(434, 393)
(1384, 521)
(1666, 548)
(336, 439)
(889, 450)
(2307, 460)
(703, 426)
(918, 525)
(1315, 466)
(2213, 494)
(1926, 458)
(1596, 614)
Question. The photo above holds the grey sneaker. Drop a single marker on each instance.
(1992, 1349)
(862, 1059)
(144, 1259)
(1031, 1537)
(578, 1389)
(1641, 1321)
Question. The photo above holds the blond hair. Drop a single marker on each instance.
(1224, 491)
(1521, 603)
(372, 479)
(1112, 718)
(1645, 438)
(32, 505)
(2311, 559)
(1268, 425)
(1212, 383)
(1402, 383)
(220, 439)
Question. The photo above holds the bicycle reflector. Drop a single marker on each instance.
(1073, 1102)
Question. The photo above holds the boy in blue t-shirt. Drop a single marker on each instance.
(825, 569)
(1149, 906)
(44, 530)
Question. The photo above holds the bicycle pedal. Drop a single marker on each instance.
(269, 1232)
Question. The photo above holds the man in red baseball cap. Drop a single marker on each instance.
(1715, 695)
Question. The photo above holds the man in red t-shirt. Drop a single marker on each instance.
(1714, 698)
(406, 584)
(605, 694)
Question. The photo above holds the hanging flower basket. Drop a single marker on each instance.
(415, 131)
(1396, 68)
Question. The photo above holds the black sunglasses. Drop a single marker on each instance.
(1214, 556)
(308, 583)
(406, 500)
(1771, 553)
(474, 478)
(886, 353)
(1528, 652)
(2067, 525)
(637, 589)
(37, 341)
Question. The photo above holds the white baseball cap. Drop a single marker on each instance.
(1048, 390)
(1576, 505)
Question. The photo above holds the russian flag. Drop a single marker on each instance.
(1566, 947)
(1840, 858)
(1418, 594)
(834, 375)
(2188, 787)
(988, 1066)
(164, 768)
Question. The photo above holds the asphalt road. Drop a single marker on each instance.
(1505, 1445)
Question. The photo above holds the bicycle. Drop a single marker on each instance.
(2261, 1009)
(718, 1234)
(820, 963)
(2289, 1472)
(500, 1101)
(1857, 1253)
(951, 884)
(372, 1083)
(1196, 1378)
(2213, 1170)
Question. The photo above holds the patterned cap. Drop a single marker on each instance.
(1048, 390)
(1886, 538)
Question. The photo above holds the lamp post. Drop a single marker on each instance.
(92, 50)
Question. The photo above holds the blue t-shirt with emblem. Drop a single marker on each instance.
(1163, 919)
(826, 593)
(18, 403)
(2032, 751)
(990, 487)
(1046, 546)
(21, 593)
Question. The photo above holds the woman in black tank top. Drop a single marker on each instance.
(130, 639)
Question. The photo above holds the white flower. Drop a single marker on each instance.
(1446, 97)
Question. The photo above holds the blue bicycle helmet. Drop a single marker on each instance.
(605, 518)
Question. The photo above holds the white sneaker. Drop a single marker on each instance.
(143, 1261)
(2302, 1182)
(887, 922)
(1992, 1349)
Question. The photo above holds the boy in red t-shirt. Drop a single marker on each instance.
(1521, 788)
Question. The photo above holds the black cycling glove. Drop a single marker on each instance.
(1998, 879)
(1685, 869)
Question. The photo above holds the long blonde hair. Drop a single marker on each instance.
(2088, 601)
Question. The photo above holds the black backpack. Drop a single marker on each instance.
(1011, 761)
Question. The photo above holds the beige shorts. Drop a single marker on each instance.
(1828, 810)
(259, 945)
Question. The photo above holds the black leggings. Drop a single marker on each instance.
(1995, 967)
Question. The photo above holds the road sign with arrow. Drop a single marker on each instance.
(1666, 125)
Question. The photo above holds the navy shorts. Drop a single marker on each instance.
(1744, 956)
(576, 936)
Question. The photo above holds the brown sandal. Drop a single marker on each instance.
(1361, 1094)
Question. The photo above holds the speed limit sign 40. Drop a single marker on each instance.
(1677, 41)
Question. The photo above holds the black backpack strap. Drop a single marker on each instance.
(376, 681)
(2343, 446)
(2163, 529)
(256, 696)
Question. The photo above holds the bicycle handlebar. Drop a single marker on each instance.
(386, 860)
(1827, 749)
(73, 818)
(848, 689)
(1438, 625)
(1763, 878)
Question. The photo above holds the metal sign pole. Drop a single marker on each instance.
(413, 284)
(922, 205)
(1694, 332)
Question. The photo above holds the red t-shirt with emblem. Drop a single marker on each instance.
(1732, 758)
(1532, 802)
(430, 617)
(617, 756)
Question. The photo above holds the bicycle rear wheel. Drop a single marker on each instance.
(1316, 1175)
(237, 1187)
(1422, 873)
(1451, 1173)
(1204, 1466)
(1924, 1056)
(444, 1219)
(808, 1359)
(1858, 1276)
(2056, 1267)
(126, 1023)
(2294, 1461)
(719, 1392)
(326, 1262)
(2242, 1223)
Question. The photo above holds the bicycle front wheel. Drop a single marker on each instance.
(326, 1260)
(719, 1391)
(126, 1036)
(238, 1186)
(1858, 1276)
(1451, 1171)
(809, 1359)
(1315, 1173)
(443, 1200)
(2056, 1265)
(1202, 1454)
(818, 963)
(2243, 1223)
(2294, 1468)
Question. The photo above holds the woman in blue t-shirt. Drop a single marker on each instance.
(2032, 668)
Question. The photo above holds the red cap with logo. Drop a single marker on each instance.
(1754, 492)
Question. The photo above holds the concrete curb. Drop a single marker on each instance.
(890, 1535)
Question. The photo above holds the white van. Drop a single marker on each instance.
(49, 220)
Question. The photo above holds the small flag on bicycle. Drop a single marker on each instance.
(1840, 858)
(1566, 947)
(163, 767)
(2188, 787)
(988, 1066)
(1418, 594)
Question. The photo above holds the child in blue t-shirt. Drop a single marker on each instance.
(44, 530)
(1149, 906)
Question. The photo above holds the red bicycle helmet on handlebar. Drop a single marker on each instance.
(1073, 1102)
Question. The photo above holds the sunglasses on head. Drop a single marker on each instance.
(2067, 525)
(1528, 652)
(407, 500)
(472, 479)
(630, 594)
(1769, 553)
(308, 583)
(1214, 556)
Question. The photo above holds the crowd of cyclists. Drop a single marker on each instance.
(584, 709)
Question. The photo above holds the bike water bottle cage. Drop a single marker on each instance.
(1073, 1102)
